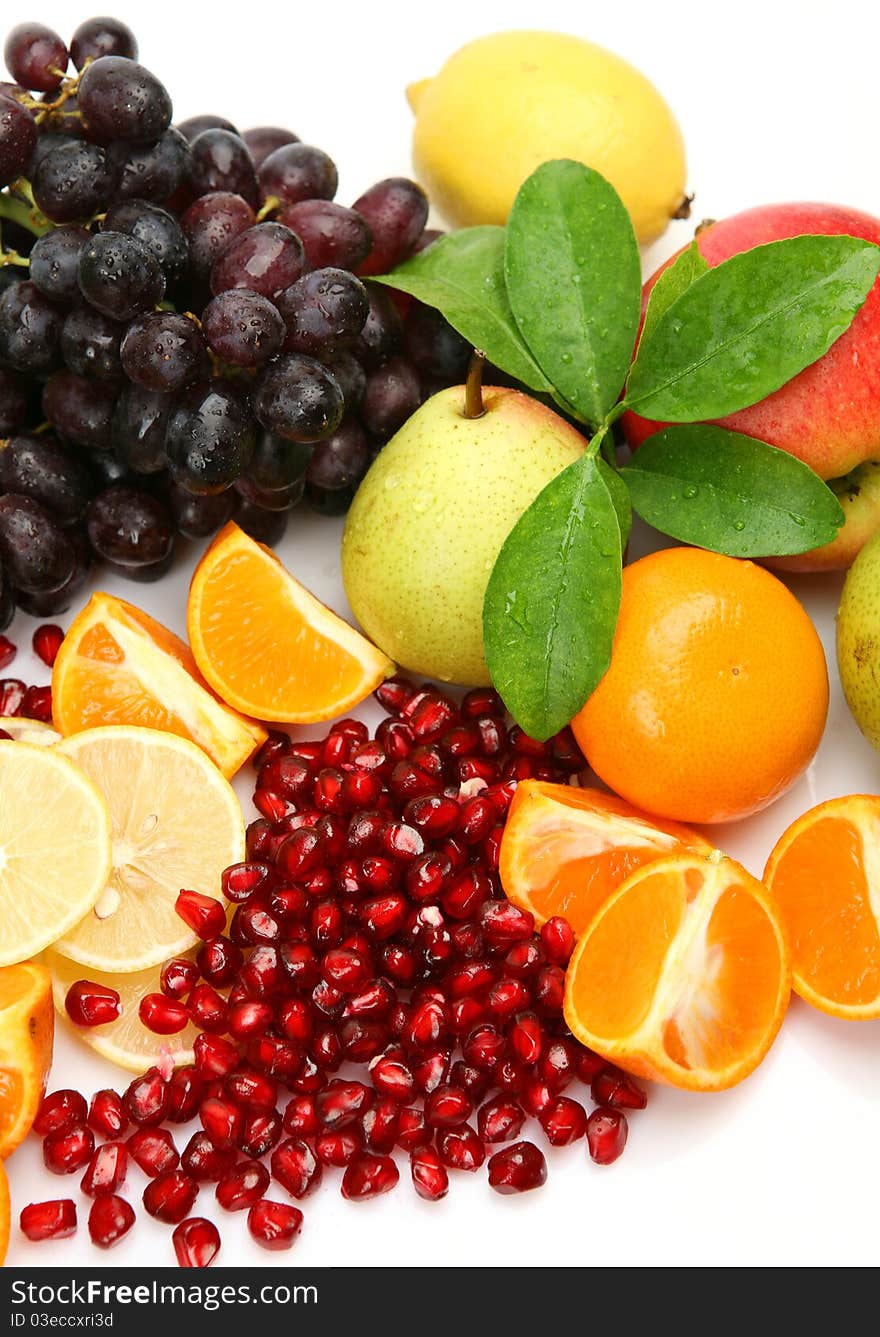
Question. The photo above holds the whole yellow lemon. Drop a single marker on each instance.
(504, 104)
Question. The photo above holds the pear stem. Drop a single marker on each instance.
(473, 389)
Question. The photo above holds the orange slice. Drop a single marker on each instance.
(5, 1213)
(26, 1031)
(268, 646)
(565, 850)
(683, 976)
(825, 876)
(117, 666)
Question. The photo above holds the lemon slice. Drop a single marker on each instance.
(54, 847)
(175, 823)
(23, 730)
(126, 1041)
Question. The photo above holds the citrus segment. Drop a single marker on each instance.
(825, 875)
(565, 849)
(116, 665)
(268, 646)
(125, 1042)
(683, 976)
(26, 1034)
(23, 730)
(175, 823)
(54, 847)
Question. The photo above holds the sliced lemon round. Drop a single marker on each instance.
(23, 730)
(126, 1041)
(175, 823)
(54, 847)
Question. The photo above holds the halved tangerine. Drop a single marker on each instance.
(683, 976)
(26, 1035)
(565, 850)
(825, 876)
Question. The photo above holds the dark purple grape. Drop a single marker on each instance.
(264, 526)
(274, 499)
(18, 139)
(265, 139)
(118, 274)
(196, 125)
(15, 92)
(49, 604)
(80, 409)
(13, 403)
(219, 160)
(323, 311)
(382, 332)
(197, 517)
(129, 527)
(433, 346)
(210, 439)
(47, 140)
(342, 459)
(299, 399)
(102, 37)
(90, 343)
(210, 224)
(152, 171)
(243, 327)
(54, 258)
(42, 468)
(277, 465)
(392, 395)
(107, 470)
(267, 258)
(351, 377)
(140, 421)
(330, 233)
(36, 553)
(333, 502)
(30, 327)
(298, 172)
(7, 601)
(155, 228)
(120, 99)
(396, 210)
(74, 181)
(164, 351)
(36, 57)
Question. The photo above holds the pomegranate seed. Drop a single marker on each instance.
(300, 964)
(429, 1176)
(214, 1056)
(222, 1121)
(476, 820)
(427, 1024)
(161, 1015)
(12, 693)
(550, 990)
(110, 1218)
(484, 1048)
(170, 1197)
(59, 1110)
(185, 1090)
(8, 651)
(373, 1000)
(367, 1176)
(260, 842)
(154, 1151)
(460, 1148)
(345, 970)
(277, 744)
(588, 1065)
(255, 924)
(393, 694)
(380, 1125)
(526, 1038)
(275, 1225)
(146, 1099)
(207, 1009)
(447, 1107)
(338, 1149)
(613, 1087)
(243, 1186)
(393, 1078)
(300, 1119)
(465, 1014)
(474, 1083)
(91, 1004)
(52, 1220)
(253, 1090)
(482, 701)
(500, 1120)
(218, 961)
(557, 939)
(296, 1167)
(245, 1020)
(517, 1169)
(68, 1149)
(260, 1134)
(106, 1170)
(504, 924)
(400, 964)
(340, 1103)
(606, 1134)
(178, 976)
(46, 642)
(241, 880)
(37, 704)
(271, 806)
(383, 916)
(202, 1160)
(299, 854)
(523, 959)
(536, 1096)
(465, 892)
(106, 1114)
(511, 1077)
(276, 1058)
(563, 1121)
(294, 1020)
(473, 978)
(196, 1242)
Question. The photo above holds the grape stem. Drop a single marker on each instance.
(270, 205)
(473, 389)
(24, 212)
(13, 258)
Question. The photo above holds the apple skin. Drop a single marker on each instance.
(828, 415)
(859, 495)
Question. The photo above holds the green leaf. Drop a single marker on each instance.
(620, 499)
(744, 328)
(462, 275)
(574, 282)
(727, 492)
(671, 284)
(552, 600)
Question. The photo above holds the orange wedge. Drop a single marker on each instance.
(825, 876)
(5, 1213)
(268, 646)
(26, 1032)
(565, 850)
(683, 976)
(117, 666)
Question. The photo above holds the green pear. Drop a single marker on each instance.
(858, 640)
(429, 519)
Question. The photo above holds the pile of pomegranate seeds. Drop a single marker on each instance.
(16, 697)
(375, 993)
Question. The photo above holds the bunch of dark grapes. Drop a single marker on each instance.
(185, 330)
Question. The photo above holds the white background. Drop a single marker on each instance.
(777, 101)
